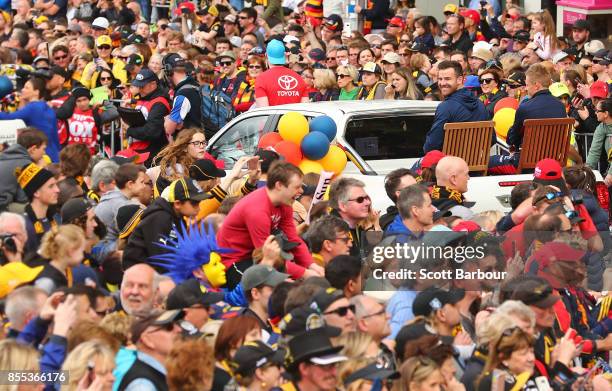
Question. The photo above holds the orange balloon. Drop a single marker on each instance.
(290, 151)
(506, 102)
(269, 140)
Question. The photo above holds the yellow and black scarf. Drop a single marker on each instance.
(444, 193)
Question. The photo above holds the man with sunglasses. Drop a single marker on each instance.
(336, 309)
(163, 219)
(601, 60)
(372, 319)
(328, 237)
(186, 109)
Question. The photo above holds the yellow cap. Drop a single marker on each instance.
(558, 89)
(14, 274)
(452, 8)
(104, 40)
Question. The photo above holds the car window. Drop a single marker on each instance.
(239, 140)
(388, 137)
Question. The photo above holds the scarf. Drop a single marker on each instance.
(442, 193)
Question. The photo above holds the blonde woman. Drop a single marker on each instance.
(419, 374)
(402, 86)
(357, 345)
(64, 247)
(325, 83)
(347, 82)
(14, 355)
(90, 366)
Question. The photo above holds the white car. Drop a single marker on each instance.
(379, 137)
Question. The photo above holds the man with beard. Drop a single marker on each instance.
(138, 290)
(581, 34)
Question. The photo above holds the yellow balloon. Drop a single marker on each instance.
(504, 118)
(293, 127)
(335, 160)
(308, 166)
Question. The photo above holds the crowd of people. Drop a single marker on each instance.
(132, 259)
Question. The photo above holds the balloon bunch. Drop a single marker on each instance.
(504, 112)
(308, 146)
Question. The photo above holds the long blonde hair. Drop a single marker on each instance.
(176, 154)
(412, 92)
(14, 355)
(61, 241)
(546, 19)
(415, 369)
(77, 361)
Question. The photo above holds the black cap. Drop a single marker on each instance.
(173, 60)
(534, 291)
(128, 217)
(143, 77)
(302, 319)
(56, 70)
(409, 333)
(516, 79)
(521, 36)
(133, 61)
(581, 24)
(286, 246)
(73, 209)
(80, 92)
(433, 299)
(184, 189)
(155, 319)
(325, 297)
(190, 293)
(313, 345)
(205, 169)
(136, 38)
(267, 157)
(253, 355)
(372, 372)
(333, 22)
(418, 47)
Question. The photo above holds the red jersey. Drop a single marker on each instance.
(82, 129)
(281, 85)
(249, 224)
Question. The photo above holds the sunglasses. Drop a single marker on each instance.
(226, 63)
(254, 66)
(104, 47)
(595, 61)
(361, 199)
(167, 327)
(194, 203)
(331, 58)
(381, 312)
(342, 311)
(59, 58)
(600, 111)
(163, 27)
(242, 17)
(342, 76)
(549, 197)
(105, 79)
(486, 81)
(375, 46)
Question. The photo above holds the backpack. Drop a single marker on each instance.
(217, 108)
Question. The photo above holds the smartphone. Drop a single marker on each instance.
(253, 163)
(91, 373)
(346, 30)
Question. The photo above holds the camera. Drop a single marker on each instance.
(7, 243)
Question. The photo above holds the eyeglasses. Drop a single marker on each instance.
(60, 58)
(199, 143)
(346, 239)
(381, 312)
(254, 66)
(342, 76)
(331, 58)
(361, 199)
(106, 78)
(104, 47)
(242, 17)
(226, 63)
(486, 81)
(342, 311)
(507, 333)
(549, 197)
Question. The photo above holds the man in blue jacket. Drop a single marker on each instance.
(541, 104)
(459, 105)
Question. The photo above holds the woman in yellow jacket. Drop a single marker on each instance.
(91, 72)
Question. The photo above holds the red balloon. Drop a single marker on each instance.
(506, 102)
(269, 140)
(291, 152)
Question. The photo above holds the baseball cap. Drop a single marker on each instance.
(418, 47)
(391, 58)
(558, 89)
(560, 56)
(74, 209)
(471, 14)
(302, 319)
(373, 371)
(451, 8)
(255, 354)
(205, 169)
(600, 54)
(258, 275)
(227, 54)
(433, 299)
(140, 325)
(276, 52)
(75, 27)
(516, 79)
(134, 60)
(314, 346)
(408, 333)
(130, 156)
(231, 18)
(325, 297)
(548, 172)
(467, 226)
(471, 81)
(104, 40)
(14, 274)
(136, 38)
(236, 41)
(521, 36)
(333, 22)
(599, 89)
(439, 213)
(534, 291)
(593, 46)
(431, 158)
(190, 293)
(317, 54)
(100, 22)
(267, 157)
(144, 77)
(184, 189)
(552, 252)
(128, 217)
(396, 21)
(581, 24)
(57, 70)
(291, 38)
(372, 67)
(482, 54)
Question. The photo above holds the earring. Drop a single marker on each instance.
(263, 385)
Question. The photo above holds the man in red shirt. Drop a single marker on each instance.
(260, 214)
(279, 85)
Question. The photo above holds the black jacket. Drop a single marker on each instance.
(190, 89)
(13, 157)
(158, 221)
(378, 14)
(464, 43)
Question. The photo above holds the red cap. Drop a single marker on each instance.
(599, 89)
(467, 226)
(186, 4)
(396, 21)
(547, 170)
(139, 158)
(471, 14)
(552, 252)
(431, 158)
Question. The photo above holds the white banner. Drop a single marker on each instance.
(324, 182)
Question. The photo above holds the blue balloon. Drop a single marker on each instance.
(315, 145)
(325, 125)
(6, 86)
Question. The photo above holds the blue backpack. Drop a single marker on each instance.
(217, 109)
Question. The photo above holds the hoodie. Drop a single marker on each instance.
(460, 106)
(107, 209)
(13, 157)
(158, 221)
(398, 228)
